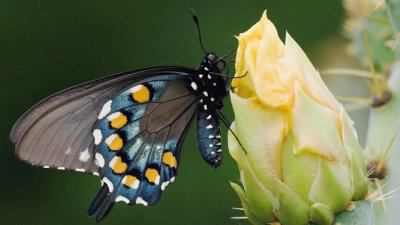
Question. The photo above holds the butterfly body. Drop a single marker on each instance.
(212, 90)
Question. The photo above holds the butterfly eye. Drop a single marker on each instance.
(211, 58)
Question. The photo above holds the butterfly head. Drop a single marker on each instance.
(211, 57)
(213, 63)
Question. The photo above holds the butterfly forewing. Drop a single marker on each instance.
(58, 131)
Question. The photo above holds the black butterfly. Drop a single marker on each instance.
(127, 128)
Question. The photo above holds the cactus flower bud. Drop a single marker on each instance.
(302, 161)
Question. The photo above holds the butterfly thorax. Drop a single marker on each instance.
(210, 84)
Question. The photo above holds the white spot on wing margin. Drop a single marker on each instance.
(97, 136)
(99, 160)
(122, 199)
(140, 200)
(84, 156)
(194, 86)
(164, 185)
(105, 110)
(109, 184)
(68, 151)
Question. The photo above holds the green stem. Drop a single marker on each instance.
(393, 11)
(384, 124)
(362, 213)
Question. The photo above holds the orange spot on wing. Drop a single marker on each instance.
(141, 93)
(118, 165)
(129, 180)
(169, 159)
(116, 144)
(119, 122)
(152, 175)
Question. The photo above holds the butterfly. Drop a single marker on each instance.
(128, 128)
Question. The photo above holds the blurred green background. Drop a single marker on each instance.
(48, 45)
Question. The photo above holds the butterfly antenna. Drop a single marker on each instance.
(223, 57)
(228, 125)
(196, 21)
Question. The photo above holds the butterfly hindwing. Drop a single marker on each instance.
(139, 136)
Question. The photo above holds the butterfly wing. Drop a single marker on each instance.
(138, 145)
(57, 132)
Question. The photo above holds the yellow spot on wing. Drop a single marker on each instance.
(169, 159)
(118, 166)
(119, 122)
(129, 180)
(116, 144)
(141, 93)
(152, 175)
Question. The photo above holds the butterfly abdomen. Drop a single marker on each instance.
(209, 137)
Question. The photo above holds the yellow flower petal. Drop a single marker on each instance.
(316, 128)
